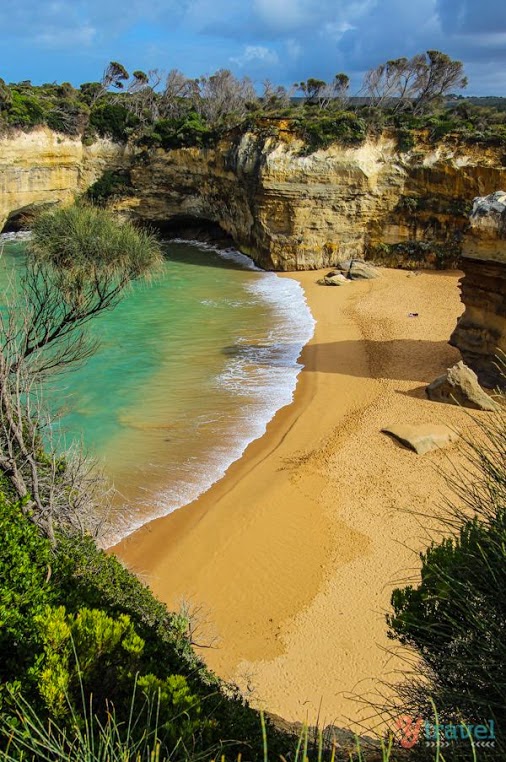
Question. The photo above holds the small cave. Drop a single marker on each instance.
(193, 229)
(22, 219)
(15, 222)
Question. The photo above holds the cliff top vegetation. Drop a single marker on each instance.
(171, 110)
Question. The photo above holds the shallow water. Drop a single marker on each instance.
(190, 368)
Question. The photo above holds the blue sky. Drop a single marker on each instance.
(283, 40)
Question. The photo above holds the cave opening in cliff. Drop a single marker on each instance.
(22, 219)
(193, 228)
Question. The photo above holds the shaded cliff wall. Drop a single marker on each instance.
(480, 334)
(42, 167)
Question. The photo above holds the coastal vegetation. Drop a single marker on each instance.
(93, 666)
(410, 97)
(80, 636)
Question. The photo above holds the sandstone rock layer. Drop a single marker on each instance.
(41, 167)
(289, 211)
(480, 334)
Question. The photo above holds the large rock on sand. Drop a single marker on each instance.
(357, 269)
(333, 279)
(423, 437)
(459, 386)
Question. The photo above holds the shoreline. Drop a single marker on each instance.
(288, 560)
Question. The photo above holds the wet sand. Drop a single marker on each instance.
(288, 562)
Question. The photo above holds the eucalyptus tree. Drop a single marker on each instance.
(416, 84)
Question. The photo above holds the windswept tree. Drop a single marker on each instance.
(275, 97)
(221, 95)
(114, 76)
(323, 94)
(440, 76)
(80, 262)
(416, 84)
(143, 99)
(176, 97)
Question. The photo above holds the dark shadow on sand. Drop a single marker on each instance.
(398, 360)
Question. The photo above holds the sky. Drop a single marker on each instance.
(285, 41)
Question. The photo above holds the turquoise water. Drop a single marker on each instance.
(190, 368)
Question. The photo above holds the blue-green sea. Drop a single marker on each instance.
(191, 366)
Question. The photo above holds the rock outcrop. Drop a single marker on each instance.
(480, 334)
(41, 167)
(422, 437)
(459, 386)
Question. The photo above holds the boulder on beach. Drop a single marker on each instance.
(357, 269)
(459, 386)
(333, 279)
(423, 437)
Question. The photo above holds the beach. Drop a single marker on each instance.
(288, 562)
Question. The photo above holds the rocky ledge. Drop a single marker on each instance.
(480, 334)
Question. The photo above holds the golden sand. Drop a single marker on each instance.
(289, 561)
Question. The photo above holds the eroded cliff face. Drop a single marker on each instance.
(287, 210)
(295, 212)
(41, 167)
(480, 334)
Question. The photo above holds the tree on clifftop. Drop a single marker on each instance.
(417, 84)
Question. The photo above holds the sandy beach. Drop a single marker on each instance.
(289, 561)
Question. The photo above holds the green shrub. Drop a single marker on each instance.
(190, 130)
(68, 116)
(113, 120)
(110, 184)
(25, 111)
(321, 131)
(25, 588)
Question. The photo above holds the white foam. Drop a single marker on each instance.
(20, 235)
(264, 378)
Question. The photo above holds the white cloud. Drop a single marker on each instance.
(79, 36)
(256, 54)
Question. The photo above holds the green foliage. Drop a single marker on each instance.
(86, 576)
(321, 131)
(25, 110)
(75, 623)
(190, 130)
(25, 571)
(83, 243)
(109, 185)
(113, 120)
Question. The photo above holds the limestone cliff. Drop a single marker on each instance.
(287, 209)
(292, 212)
(481, 331)
(41, 167)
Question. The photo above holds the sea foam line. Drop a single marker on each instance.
(264, 378)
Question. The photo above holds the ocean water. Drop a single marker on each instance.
(190, 369)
